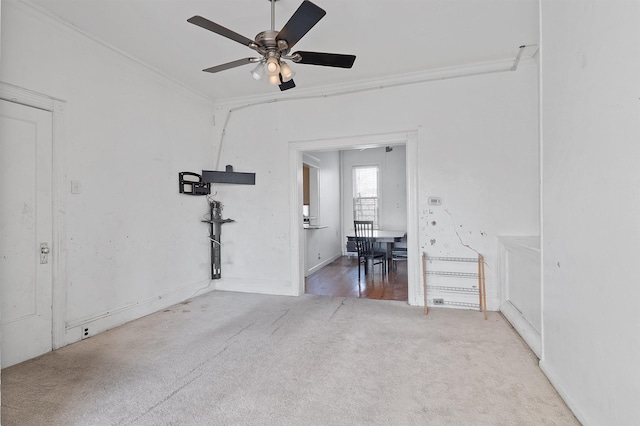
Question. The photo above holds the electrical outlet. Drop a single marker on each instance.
(319, 256)
(438, 301)
(85, 332)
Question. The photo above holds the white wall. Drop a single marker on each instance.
(131, 244)
(323, 245)
(591, 202)
(393, 185)
(0, 62)
(478, 150)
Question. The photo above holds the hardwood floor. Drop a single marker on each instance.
(340, 278)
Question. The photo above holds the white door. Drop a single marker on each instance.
(25, 225)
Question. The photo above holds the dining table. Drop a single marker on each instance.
(386, 237)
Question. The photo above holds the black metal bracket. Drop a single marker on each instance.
(191, 184)
(228, 176)
(215, 231)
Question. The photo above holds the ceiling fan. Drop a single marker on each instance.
(275, 46)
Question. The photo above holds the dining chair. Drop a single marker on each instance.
(366, 246)
(398, 254)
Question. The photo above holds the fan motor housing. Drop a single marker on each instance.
(267, 39)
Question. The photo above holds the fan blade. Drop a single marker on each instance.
(302, 20)
(286, 85)
(232, 64)
(326, 59)
(219, 29)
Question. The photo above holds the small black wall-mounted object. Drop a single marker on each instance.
(228, 176)
(192, 184)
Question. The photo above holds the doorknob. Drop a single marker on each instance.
(44, 253)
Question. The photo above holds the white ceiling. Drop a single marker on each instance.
(389, 38)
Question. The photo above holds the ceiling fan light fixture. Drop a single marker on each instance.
(273, 67)
(274, 79)
(286, 72)
(258, 72)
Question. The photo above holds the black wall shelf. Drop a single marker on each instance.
(228, 176)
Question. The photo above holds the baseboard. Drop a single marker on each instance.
(322, 264)
(75, 330)
(571, 403)
(492, 304)
(529, 334)
(250, 285)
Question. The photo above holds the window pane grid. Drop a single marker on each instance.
(365, 188)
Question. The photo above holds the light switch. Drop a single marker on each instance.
(76, 187)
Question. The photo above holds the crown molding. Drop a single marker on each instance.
(469, 70)
(46, 17)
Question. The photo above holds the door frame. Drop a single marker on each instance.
(298, 148)
(19, 95)
(313, 164)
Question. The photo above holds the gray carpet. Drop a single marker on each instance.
(246, 359)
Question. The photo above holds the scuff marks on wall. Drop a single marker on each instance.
(458, 234)
(442, 236)
(425, 224)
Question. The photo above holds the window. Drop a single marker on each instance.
(365, 193)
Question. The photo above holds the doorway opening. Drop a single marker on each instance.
(410, 270)
(363, 184)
